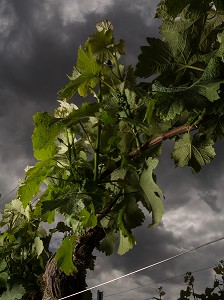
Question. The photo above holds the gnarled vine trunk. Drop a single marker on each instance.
(57, 284)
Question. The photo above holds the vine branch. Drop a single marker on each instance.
(149, 145)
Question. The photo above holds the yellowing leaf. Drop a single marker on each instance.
(39, 246)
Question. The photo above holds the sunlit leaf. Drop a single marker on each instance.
(39, 246)
(126, 243)
(34, 178)
(152, 192)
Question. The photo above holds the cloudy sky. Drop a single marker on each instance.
(38, 47)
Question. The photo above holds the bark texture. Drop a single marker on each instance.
(57, 284)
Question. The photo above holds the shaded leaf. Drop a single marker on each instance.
(64, 255)
(3, 265)
(155, 59)
(133, 215)
(47, 128)
(107, 245)
(127, 240)
(3, 279)
(16, 293)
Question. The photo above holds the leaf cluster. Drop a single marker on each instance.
(23, 251)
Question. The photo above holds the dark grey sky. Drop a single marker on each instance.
(38, 47)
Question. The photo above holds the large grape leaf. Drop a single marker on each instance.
(152, 192)
(86, 110)
(107, 245)
(16, 293)
(101, 44)
(126, 243)
(127, 240)
(88, 218)
(64, 199)
(183, 35)
(155, 59)
(64, 255)
(209, 83)
(214, 128)
(195, 153)
(47, 128)
(133, 215)
(33, 180)
(88, 68)
(170, 9)
(87, 62)
(207, 88)
(129, 217)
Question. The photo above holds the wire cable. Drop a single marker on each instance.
(144, 268)
(156, 282)
(9, 193)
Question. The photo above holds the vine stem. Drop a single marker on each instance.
(149, 145)
(97, 149)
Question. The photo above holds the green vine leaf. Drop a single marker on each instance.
(208, 88)
(3, 265)
(102, 44)
(195, 153)
(126, 243)
(47, 128)
(88, 218)
(16, 293)
(64, 255)
(108, 243)
(133, 215)
(127, 240)
(87, 62)
(3, 279)
(33, 180)
(89, 69)
(152, 192)
(86, 110)
(39, 246)
(158, 57)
